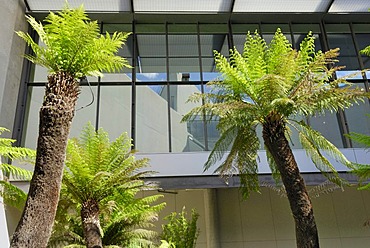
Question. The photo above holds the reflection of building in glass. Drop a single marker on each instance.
(171, 52)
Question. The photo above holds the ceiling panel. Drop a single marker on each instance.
(346, 6)
(264, 6)
(90, 5)
(160, 6)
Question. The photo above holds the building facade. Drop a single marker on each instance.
(171, 52)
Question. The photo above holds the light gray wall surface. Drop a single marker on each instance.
(12, 48)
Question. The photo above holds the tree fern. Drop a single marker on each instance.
(268, 85)
(68, 49)
(108, 173)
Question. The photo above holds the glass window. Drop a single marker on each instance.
(211, 43)
(124, 76)
(85, 110)
(363, 40)
(358, 119)
(298, 38)
(212, 133)
(35, 96)
(151, 69)
(151, 45)
(115, 110)
(239, 34)
(182, 45)
(151, 119)
(210, 71)
(327, 125)
(184, 69)
(339, 36)
(151, 59)
(185, 136)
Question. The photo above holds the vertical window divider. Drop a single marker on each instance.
(362, 67)
(133, 84)
(168, 92)
(341, 117)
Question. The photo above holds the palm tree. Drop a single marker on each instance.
(12, 195)
(73, 48)
(98, 198)
(269, 85)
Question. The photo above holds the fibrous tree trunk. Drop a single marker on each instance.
(300, 203)
(91, 224)
(56, 113)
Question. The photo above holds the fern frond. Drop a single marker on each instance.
(12, 195)
(312, 141)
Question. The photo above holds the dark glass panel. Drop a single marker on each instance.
(182, 45)
(211, 43)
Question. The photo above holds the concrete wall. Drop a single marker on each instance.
(265, 221)
(11, 60)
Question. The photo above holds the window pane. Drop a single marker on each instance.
(151, 69)
(115, 110)
(184, 69)
(357, 118)
(347, 51)
(327, 125)
(363, 40)
(209, 70)
(182, 45)
(211, 43)
(151, 119)
(31, 126)
(188, 136)
(125, 76)
(298, 38)
(151, 45)
(85, 110)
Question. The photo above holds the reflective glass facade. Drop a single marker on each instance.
(170, 61)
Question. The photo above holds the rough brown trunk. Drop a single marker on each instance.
(300, 203)
(35, 226)
(91, 224)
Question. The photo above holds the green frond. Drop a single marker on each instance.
(362, 171)
(21, 154)
(360, 138)
(315, 144)
(254, 52)
(16, 172)
(73, 44)
(12, 195)
(220, 149)
(366, 51)
(279, 48)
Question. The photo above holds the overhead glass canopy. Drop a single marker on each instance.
(206, 6)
